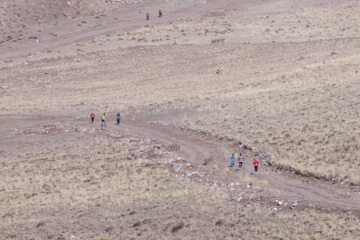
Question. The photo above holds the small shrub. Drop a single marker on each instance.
(207, 160)
(174, 147)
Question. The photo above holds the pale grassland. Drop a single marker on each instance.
(69, 189)
(289, 22)
(297, 101)
(307, 119)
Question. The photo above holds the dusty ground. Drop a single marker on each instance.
(276, 80)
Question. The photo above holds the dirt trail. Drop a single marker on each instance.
(117, 27)
(196, 150)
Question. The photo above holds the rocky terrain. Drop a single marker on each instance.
(274, 80)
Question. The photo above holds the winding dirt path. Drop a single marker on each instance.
(196, 149)
(193, 147)
(123, 26)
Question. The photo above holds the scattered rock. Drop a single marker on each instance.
(108, 229)
(147, 221)
(221, 40)
(218, 71)
(177, 227)
(293, 204)
(168, 226)
(138, 223)
(177, 167)
(150, 164)
(132, 213)
(219, 223)
(40, 224)
(193, 174)
(141, 232)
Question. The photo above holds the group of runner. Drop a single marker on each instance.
(240, 158)
(103, 122)
(241, 161)
(148, 15)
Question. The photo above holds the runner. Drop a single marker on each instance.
(92, 115)
(256, 164)
(160, 13)
(118, 116)
(103, 123)
(232, 160)
(241, 160)
(147, 16)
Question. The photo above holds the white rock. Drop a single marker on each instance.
(192, 174)
(177, 167)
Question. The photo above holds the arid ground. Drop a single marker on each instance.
(274, 80)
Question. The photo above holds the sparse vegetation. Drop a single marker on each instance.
(282, 86)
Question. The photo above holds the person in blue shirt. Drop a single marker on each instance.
(232, 160)
(118, 116)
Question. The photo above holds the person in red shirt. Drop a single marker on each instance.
(256, 164)
(92, 117)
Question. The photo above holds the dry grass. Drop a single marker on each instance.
(67, 189)
(288, 86)
(303, 111)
